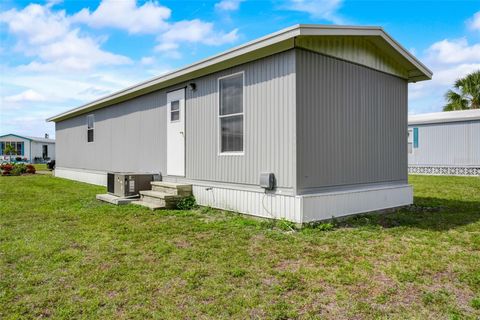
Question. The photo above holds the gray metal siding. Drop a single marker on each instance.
(447, 144)
(269, 127)
(130, 136)
(351, 124)
(359, 50)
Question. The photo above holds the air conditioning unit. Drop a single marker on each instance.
(128, 184)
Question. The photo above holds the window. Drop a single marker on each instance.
(18, 148)
(174, 111)
(410, 141)
(90, 127)
(415, 138)
(231, 113)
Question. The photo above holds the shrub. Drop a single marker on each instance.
(31, 169)
(18, 158)
(19, 169)
(6, 168)
(187, 203)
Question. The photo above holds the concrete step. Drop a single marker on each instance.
(179, 189)
(149, 205)
(158, 198)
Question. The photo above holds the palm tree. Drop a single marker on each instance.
(10, 149)
(466, 93)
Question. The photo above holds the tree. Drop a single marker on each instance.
(10, 149)
(465, 94)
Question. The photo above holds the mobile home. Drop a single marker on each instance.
(444, 143)
(27, 149)
(320, 109)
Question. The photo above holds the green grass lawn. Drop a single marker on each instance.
(40, 166)
(65, 255)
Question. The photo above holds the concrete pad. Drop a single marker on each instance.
(114, 199)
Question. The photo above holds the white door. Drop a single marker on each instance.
(176, 133)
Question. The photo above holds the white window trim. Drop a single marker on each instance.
(219, 117)
(93, 128)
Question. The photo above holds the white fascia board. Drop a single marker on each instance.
(444, 117)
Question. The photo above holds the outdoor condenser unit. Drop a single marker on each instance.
(127, 184)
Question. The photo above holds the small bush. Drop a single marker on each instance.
(19, 169)
(6, 168)
(31, 169)
(187, 203)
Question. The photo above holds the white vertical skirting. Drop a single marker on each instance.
(305, 208)
(93, 177)
(298, 209)
(336, 204)
(250, 202)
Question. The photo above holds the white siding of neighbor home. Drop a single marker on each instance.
(37, 149)
(454, 144)
(26, 145)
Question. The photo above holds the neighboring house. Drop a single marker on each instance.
(29, 149)
(323, 108)
(444, 143)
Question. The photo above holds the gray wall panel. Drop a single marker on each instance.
(351, 124)
(447, 144)
(269, 141)
(129, 136)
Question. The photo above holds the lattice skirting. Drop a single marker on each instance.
(451, 171)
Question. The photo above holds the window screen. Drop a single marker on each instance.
(231, 113)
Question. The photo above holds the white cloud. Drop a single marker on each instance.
(62, 66)
(151, 18)
(26, 96)
(193, 31)
(474, 22)
(126, 15)
(449, 59)
(47, 36)
(228, 5)
(320, 9)
(36, 24)
(454, 51)
(147, 60)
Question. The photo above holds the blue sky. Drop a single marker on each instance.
(56, 55)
